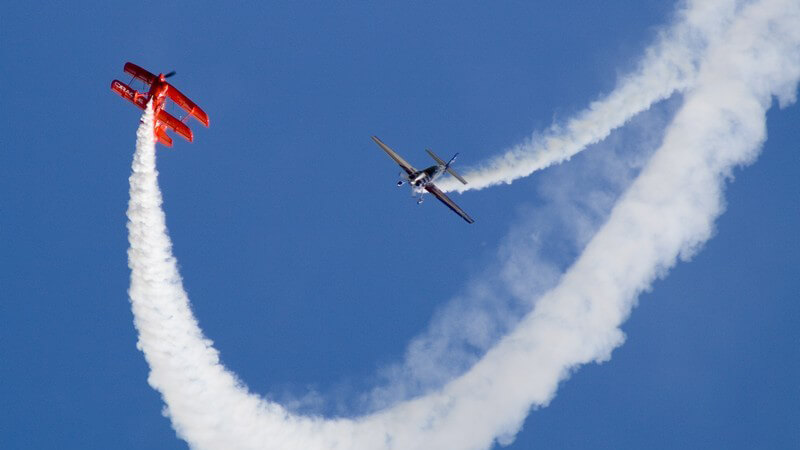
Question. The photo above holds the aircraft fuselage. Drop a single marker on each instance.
(418, 180)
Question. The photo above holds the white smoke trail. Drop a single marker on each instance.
(184, 366)
(575, 201)
(668, 66)
(667, 213)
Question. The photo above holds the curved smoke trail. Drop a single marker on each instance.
(183, 363)
(668, 66)
(666, 214)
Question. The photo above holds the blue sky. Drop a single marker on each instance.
(304, 263)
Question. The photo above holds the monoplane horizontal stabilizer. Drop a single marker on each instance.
(447, 165)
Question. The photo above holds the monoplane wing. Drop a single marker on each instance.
(397, 158)
(190, 107)
(138, 72)
(446, 200)
(172, 122)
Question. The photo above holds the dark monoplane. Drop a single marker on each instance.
(421, 181)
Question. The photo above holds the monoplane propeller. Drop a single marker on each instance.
(169, 74)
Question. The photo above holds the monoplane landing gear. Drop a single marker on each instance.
(400, 183)
(419, 201)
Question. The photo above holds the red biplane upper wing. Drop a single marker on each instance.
(190, 106)
(172, 122)
(446, 200)
(139, 73)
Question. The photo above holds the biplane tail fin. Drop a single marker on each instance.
(162, 136)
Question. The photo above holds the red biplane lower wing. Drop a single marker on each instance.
(129, 94)
(190, 106)
(172, 122)
(139, 73)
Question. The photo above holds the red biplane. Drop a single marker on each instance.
(159, 91)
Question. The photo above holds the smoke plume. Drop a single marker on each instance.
(750, 55)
